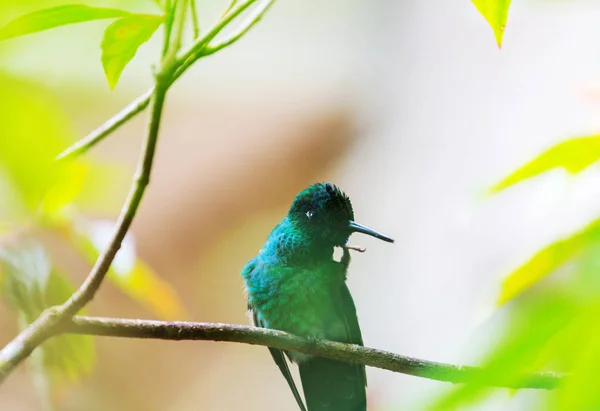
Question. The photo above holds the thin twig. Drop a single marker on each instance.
(195, 51)
(141, 180)
(232, 4)
(131, 110)
(252, 19)
(170, 6)
(178, 331)
(195, 24)
(180, 11)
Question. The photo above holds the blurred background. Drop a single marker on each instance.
(408, 106)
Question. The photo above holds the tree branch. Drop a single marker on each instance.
(179, 331)
(42, 328)
(170, 69)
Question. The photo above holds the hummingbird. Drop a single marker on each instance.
(295, 285)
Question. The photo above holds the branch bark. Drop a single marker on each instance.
(180, 331)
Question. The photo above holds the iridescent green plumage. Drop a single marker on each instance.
(295, 285)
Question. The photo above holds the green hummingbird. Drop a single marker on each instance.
(294, 284)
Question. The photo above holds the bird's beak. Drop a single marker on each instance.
(358, 228)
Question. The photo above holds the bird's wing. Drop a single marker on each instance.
(347, 311)
(331, 385)
(281, 362)
(277, 354)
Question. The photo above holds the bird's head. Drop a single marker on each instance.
(324, 214)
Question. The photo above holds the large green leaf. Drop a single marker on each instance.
(27, 147)
(496, 14)
(68, 356)
(573, 155)
(31, 182)
(30, 285)
(25, 272)
(55, 17)
(548, 260)
(121, 41)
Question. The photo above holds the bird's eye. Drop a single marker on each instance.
(309, 214)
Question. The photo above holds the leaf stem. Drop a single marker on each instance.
(169, 17)
(180, 12)
(232, 4)
(195, 24)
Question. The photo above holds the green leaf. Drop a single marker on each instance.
(496, 13)
(30, 285)
(542, 264)
(525, 346)
(31, 182)
(67, 187)
(56, 16)
(548, 260)
(25, 275)
(121, 41)
(68, 356)
(26, 158)
(128, 272)
(573, 155)
(553, 328)
(582, 348)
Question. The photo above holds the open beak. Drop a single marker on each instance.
(357, 228)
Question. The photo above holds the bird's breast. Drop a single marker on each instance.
(296, 299)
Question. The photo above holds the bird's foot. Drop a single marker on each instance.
(354, 247)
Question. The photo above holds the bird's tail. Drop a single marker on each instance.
(333, 385)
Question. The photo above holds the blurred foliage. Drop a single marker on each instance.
(551, 326)
(574, 155)
(41, 195)
(39, 192)
(29, 284)
(496, 14)
(537, 331)
(548, 260)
